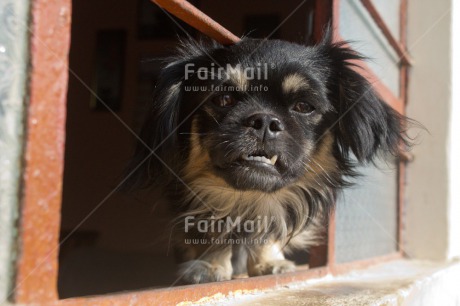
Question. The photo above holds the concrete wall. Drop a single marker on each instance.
(432, 196)
(13, 63)
(454, 139)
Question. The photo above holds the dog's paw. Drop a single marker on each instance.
(272, 267)
(199, 271)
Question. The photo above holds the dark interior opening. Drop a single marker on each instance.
(113, 241)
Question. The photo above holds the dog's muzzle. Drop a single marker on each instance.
(264, 126)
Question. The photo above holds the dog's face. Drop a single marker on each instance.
(262, 136)
(259, 114)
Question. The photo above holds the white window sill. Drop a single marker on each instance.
(401, 282)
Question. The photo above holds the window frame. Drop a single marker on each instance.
(38, 243)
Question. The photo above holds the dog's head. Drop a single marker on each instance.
(263, 115)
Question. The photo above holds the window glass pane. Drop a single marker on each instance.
(357, 26)
(366, 215)
(389, 10)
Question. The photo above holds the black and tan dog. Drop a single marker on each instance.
(260, 130)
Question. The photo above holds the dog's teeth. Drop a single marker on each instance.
(265, 160)
(262, 159)
(246, 157)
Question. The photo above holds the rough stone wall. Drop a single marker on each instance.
(13, 77)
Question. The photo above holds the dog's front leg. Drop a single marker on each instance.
(268, 259)
(209, 264)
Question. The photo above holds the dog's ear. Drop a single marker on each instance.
(158, 132)
(156, 147)
(364, 124)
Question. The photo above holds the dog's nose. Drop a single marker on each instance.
(265, 125)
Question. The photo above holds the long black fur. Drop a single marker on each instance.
(346, 106)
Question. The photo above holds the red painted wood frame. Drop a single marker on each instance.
(36, 273)
(38, 245)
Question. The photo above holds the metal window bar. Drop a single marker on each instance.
(397, 46)
(194, 17)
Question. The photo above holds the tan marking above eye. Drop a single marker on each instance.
(293, 83)
(237, 76)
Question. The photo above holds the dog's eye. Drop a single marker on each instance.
(303, 108)
(224, 101)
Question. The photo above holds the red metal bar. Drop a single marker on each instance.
(335, 18)
(403, 78)
(400, 222)
(199, 20)
(323, 13)
(193, 293)
(330, 261)
(318, 255)
(403, 40)
(36, 274)
(400, 50)
(331, 241)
